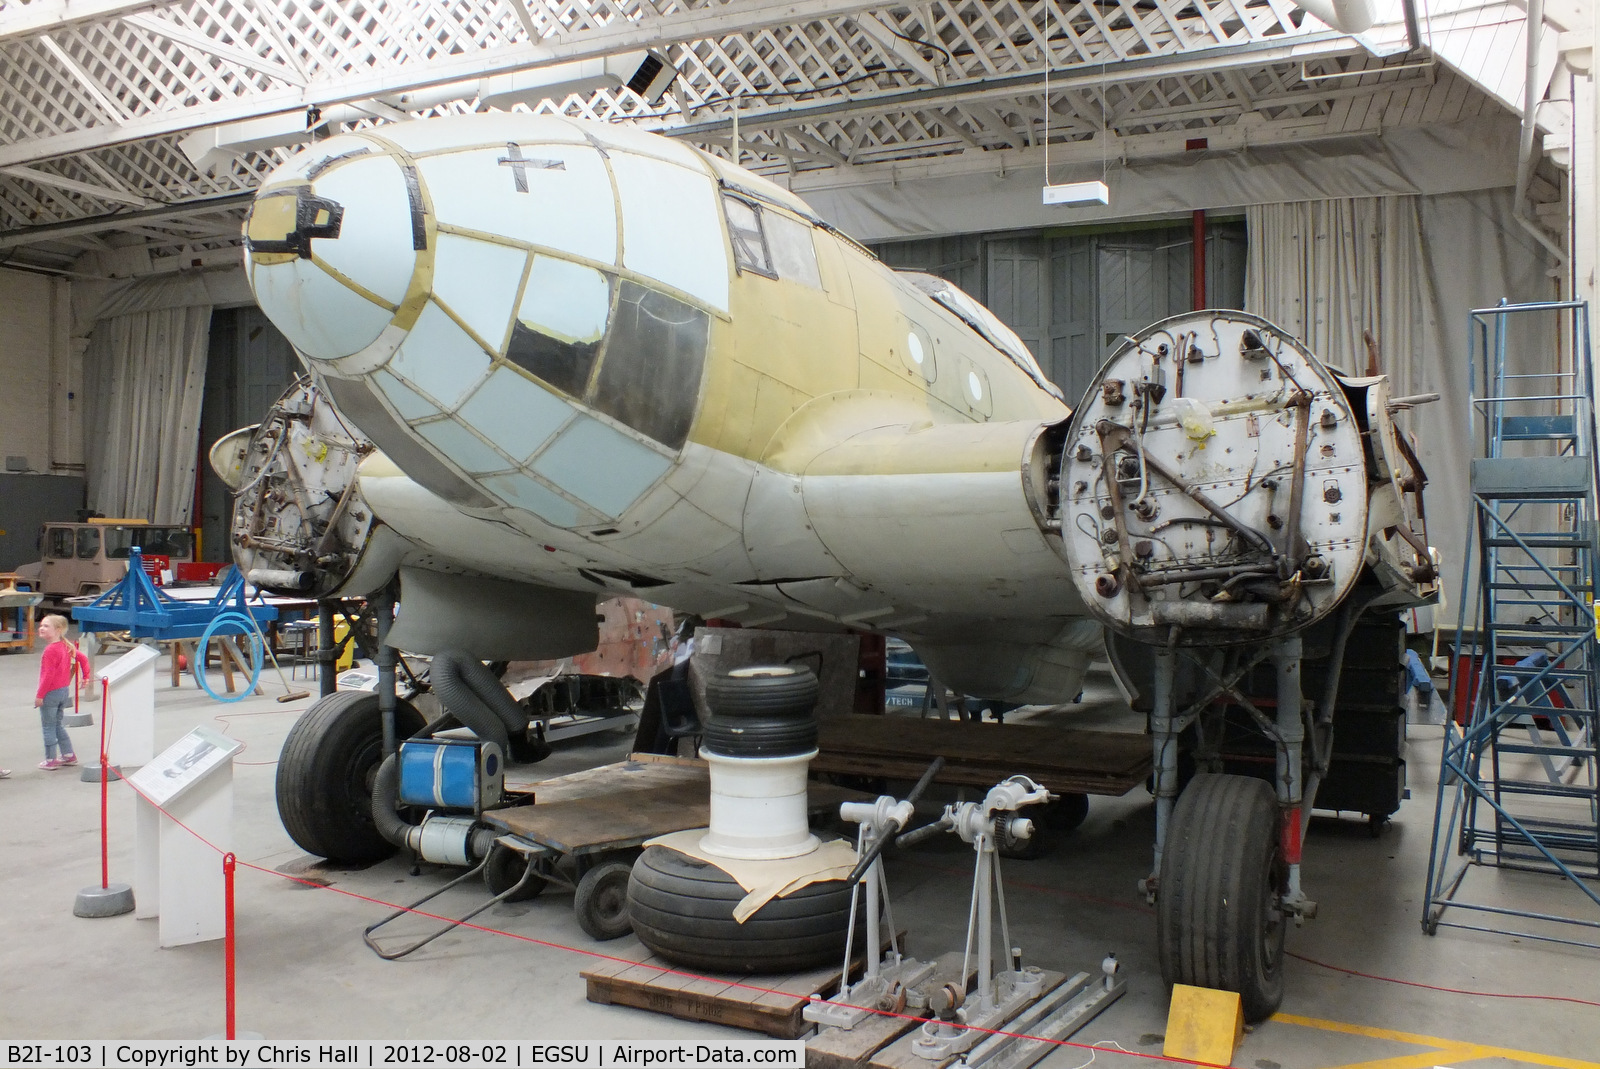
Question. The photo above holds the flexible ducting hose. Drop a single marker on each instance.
(393, 827)
(386, 802)
(471, 693)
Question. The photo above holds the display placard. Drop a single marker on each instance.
(183, 764)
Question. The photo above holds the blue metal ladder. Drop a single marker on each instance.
(1517, 785)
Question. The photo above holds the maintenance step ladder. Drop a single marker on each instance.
(1517, 786)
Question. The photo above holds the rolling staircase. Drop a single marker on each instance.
(1517, 785)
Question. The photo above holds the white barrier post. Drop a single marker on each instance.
(176, 865)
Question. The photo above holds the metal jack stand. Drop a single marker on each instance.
(995, 1025)
(891, 982)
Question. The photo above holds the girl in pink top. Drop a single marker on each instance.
(55, 690)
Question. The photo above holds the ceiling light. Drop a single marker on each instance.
(1077, 193)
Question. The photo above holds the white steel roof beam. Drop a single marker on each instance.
(737, 16)
(44, 16)
(69, 185)
(94, 90)
(1255, 54)
(201, 43)
(519, 8)
(97, 224)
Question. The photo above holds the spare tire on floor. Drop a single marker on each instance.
(682, 909)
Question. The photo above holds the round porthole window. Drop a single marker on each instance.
(974, 386)
(919, 356)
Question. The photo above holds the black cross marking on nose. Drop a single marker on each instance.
(519, 165)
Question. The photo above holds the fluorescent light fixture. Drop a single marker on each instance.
(1077, 193)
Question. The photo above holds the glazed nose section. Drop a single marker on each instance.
(332, 248)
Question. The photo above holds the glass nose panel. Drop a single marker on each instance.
(650, 377)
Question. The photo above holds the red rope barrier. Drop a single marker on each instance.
(229, 862)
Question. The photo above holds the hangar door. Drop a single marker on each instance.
(1071, 295)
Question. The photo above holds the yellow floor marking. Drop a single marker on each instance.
(1445, 1051)
(1427, 1059)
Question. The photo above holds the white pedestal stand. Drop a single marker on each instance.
(177, 864)
(131, 702)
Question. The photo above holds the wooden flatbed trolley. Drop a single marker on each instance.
(584, 830)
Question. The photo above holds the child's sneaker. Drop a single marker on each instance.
(68, 759)
(49, 764)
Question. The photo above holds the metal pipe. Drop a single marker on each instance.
(1198, 270)
(1413, 29)
(1164, 742)
(1291, 727)
(1291, 733)
(383, 610)
(1533, 27)
(327, 668)
(985, 846)
(874, 939)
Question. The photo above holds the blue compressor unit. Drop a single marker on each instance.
(461, 774)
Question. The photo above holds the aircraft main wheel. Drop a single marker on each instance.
(1217, 918)
(504, 868)
(601, 901)
(682, 909)
(325, 775)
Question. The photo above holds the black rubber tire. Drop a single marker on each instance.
(761, 712)
(1066, 813)
(682, 909)
(504, 868)
(779, 691)
(601, 901)
(325, 774)
(1218, 923)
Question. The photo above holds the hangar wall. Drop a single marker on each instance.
(41, 405)
(949, 196)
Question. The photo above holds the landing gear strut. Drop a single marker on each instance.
(1227, 854)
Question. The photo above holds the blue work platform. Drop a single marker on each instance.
(136, 605)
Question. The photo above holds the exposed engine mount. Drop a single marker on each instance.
(1222, 485)
(299, 523)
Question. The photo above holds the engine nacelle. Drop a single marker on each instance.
(1221, 485)
(300, 526)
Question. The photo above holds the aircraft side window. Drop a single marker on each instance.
(793, 255)
(750, 250)
(649, 377)
(61, 543)
(88, 543)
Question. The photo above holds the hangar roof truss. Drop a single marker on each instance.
(97, 96)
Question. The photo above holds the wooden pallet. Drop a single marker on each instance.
(853, 1048)
(770, 1004)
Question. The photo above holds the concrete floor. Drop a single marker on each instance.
(304, 973)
